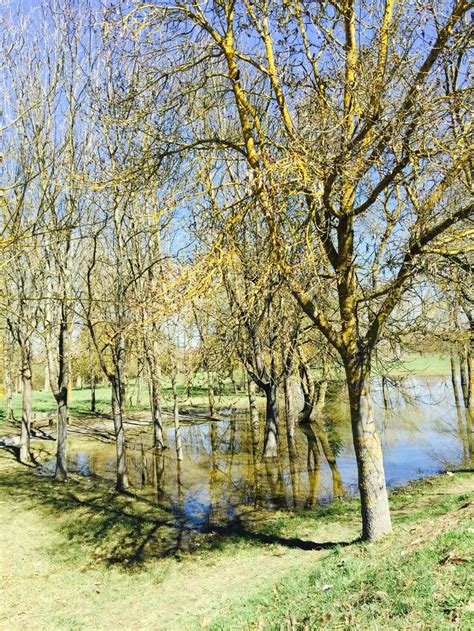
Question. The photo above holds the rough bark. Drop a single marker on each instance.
(375, 510)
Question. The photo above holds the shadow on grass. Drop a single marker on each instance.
(127, 529)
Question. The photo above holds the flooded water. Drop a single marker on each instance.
(223, 476)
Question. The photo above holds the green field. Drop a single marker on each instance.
(80, 556)
(43, 402)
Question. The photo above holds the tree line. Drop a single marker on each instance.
(282, 187)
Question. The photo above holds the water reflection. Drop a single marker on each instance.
(222, 475)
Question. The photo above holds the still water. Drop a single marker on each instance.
(223, 476)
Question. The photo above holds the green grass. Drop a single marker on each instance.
(43, 402)
(419, 578)
(427, 365)
(88, 557)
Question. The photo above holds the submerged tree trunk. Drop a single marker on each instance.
(454, 382)
(210, 393)
(289, 415)
(117, 414)
(313, 464)
(155, 404)
(463, 370)
(25, 431)
(312, 424)
(272, 430)
(337, 485)
(375, 510)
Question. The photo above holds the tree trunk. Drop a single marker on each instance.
(253, 410)
(272, 430)
(93, 393)
(457, 399)
(234, 383)
(139, 399)
(313, 464)
(337, 485)
(8, 381)
(117, 413)
(464, 378)
(375, 510)
(177, 427)
(61, 441)
(155, 401)
(25, 456)
(210, 394)
(289, 416)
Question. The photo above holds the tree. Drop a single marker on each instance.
(338, 112)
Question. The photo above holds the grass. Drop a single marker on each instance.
(80, 556)
(427, 365)
(43, 401)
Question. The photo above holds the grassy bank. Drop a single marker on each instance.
(80, 556)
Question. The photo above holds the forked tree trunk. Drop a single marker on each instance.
(25, 456)
(375, 510)
(117, 413)
(272, 429)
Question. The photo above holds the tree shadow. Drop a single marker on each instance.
(128, 530)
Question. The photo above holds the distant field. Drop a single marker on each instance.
(425, 365)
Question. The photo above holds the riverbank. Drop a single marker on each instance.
(80, 556)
